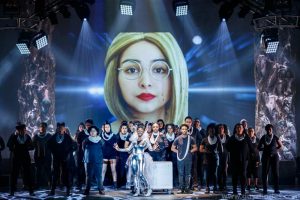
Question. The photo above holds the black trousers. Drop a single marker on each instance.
(121, 169)
(17, 164)
(43, 172)
(239, 173)
(222, 172)
(211, 175)
(80, 171)
(273, 162)
(200, 169)
(61, 169)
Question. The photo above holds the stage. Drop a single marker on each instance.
(291, 193)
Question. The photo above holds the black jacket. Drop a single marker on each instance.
(240, 151)
(61, 151)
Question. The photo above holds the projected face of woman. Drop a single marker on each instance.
(144, 80)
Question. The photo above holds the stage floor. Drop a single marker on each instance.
(288, 194)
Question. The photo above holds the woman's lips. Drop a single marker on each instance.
(146, 96)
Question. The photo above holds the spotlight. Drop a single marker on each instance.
(127, 7)
(270, 39)
(40, 40)
(53, 18)
(197, 40)
(23, 42)
(65, 12)
(181, 7)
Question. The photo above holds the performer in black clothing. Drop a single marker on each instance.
(200, 156)
(212, 147)
(61, 146)
(239, 146)
(109, 152)
(93, 159)
(270, 144)
(19, 144)
(161, 125)
(170, 155)
(159, 139)
(122, 157)
(223, 164)
(81, 135)
(42, 156)
(2, 147)
(252, 168)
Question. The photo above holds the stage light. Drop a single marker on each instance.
(40, 40)
(181, 7)
(127, 7)
(197, 40)
(84, 19)
(53, 18)
(23, 42)
(270, 39)
(23, 47)
(65, 12)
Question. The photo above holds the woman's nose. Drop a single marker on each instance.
(145, 80)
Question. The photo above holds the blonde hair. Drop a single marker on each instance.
(177, 107)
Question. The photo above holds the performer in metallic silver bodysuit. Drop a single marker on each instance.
(137, 163)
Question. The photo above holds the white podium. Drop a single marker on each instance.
(162, 175)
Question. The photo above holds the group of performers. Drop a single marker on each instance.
(129, 153)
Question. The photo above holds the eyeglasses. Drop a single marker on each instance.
(133, 70)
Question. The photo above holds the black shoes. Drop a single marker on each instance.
(101, 192)
(265, 192)
(188, 191)
(51, 193)
(86, 192)
(248, 187)
(277, 192)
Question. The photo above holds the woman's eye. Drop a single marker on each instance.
(159, 70)
(131, 70)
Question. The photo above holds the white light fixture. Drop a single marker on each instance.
(127, 7)
(181, 7)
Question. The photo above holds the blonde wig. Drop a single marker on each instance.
(177, 107)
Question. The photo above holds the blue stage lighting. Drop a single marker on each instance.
(127, 7)
(181, 7)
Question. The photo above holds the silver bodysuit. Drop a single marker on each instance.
(137, 164)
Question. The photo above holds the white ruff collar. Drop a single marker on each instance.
(169, 137)
(212, 141)
(94, 139)
(152, 140)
